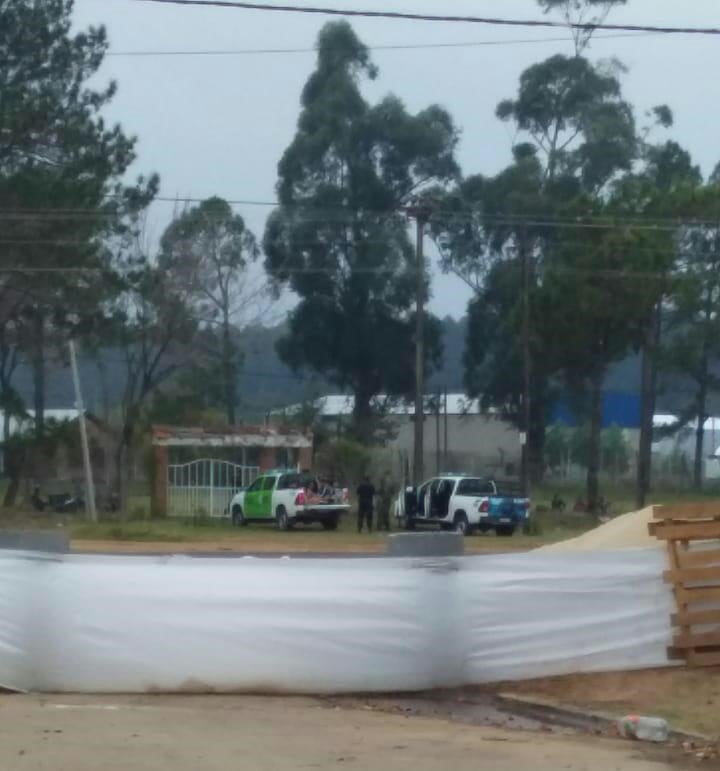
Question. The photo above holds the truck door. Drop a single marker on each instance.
(266, 498)
(424, 499)
(253, 499)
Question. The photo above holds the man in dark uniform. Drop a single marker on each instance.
(366, 498)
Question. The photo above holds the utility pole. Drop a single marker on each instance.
(438, 449)
(89, 486)
(648, 391)
(527, 362)
(445, 445)
(421, 213)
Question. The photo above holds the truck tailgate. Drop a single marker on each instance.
(508, 507)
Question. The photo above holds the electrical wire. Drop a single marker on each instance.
(389, 47)
(323, 215)
(407, 16)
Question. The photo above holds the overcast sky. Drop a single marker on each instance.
(217, 125)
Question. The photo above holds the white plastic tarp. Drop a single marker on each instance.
(114, 624)
(534, 615)
(14, 588)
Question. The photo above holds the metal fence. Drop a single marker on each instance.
(205, 487)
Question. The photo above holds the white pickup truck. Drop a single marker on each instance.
(288, 498)
(463, 504)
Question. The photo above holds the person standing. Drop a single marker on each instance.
(385, 496)
(366, 499)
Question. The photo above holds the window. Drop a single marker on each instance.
(292, 482)
(475, 487)
(256, 485)
(269, 483)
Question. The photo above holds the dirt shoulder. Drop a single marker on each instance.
(218, 733)
(270, 542)
(223, 546)
(689, 699)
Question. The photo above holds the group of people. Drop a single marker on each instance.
(368, 495)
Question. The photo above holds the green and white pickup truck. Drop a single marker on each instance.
(288, 498)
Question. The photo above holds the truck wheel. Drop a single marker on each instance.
(330, 524)
(462, 526)
(238, 518)
(281, 519)
(506, 531)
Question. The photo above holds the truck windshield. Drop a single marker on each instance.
(475, 487)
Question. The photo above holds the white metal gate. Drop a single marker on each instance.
(205, 487)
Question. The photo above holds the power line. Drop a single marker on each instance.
(71, 269)
(641, 221)
(407, 16)
(389, 47)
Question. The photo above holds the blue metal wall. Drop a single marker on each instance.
(619, 409)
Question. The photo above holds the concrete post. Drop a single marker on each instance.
(267, 459)
(159, 493)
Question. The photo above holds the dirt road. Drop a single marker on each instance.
(176, 733)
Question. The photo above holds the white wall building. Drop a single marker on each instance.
(21, 425)
(676, 454)
(478, 442)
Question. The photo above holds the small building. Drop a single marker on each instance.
(197, 471)
(459, 435)
(674, 455)
(62, 470)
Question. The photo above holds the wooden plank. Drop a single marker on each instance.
(695, 510)
(705, 659)
(669, 531)
(673, 549)
(699, 640)
(699, 558)
(704, 594)
(692, 575)
(696, 618)
(676, 654)
(658, 525)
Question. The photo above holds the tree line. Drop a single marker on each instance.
(613, 223)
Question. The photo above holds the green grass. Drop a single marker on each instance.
(220, 534)
(549, 527)
(620, 496)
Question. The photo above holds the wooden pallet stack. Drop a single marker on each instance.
(692, 534)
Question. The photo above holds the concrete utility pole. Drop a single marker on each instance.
(438, 447)
(421, 214)
(648, 391)
(445, 444)
(527, 362)
(89, 485)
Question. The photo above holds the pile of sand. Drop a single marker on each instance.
(629, 531)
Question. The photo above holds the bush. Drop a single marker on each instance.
(138, 514)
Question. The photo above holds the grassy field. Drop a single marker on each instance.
(166, 534)
(140, 533)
